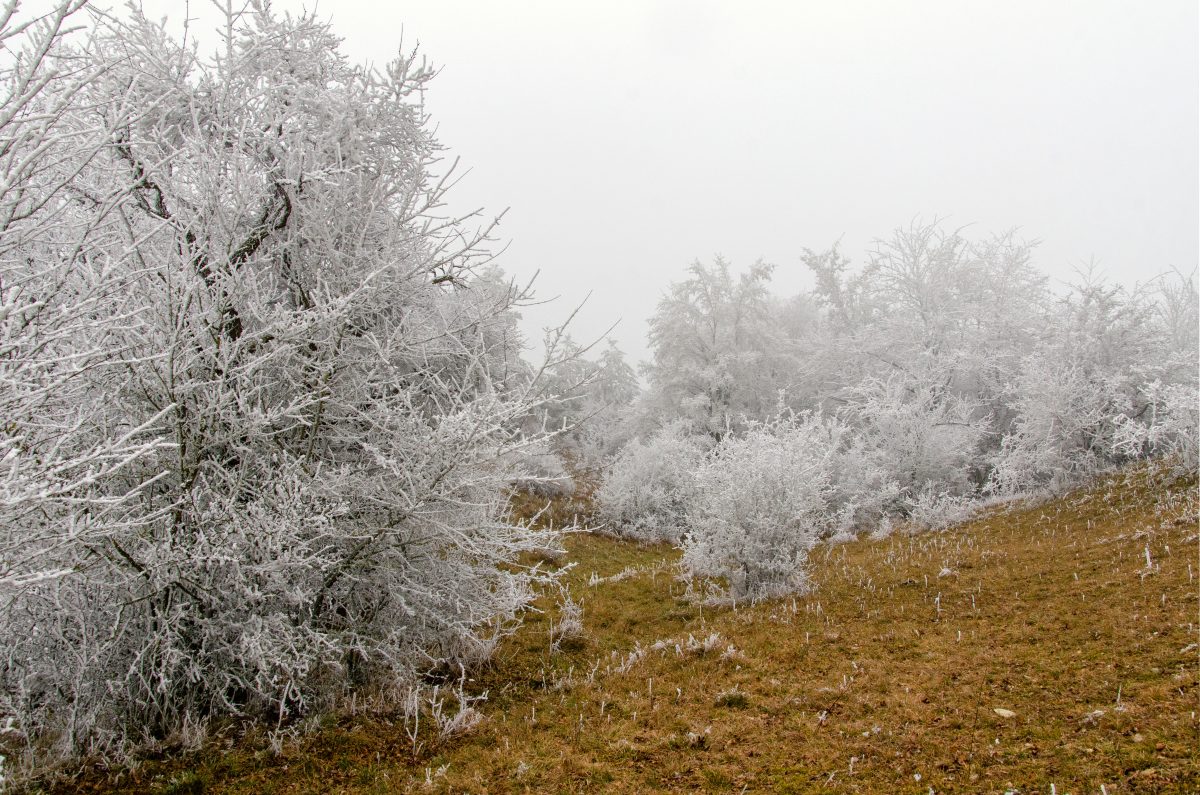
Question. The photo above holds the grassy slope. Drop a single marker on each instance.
(885, 679)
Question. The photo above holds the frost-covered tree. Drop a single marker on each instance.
(604, 413)
(590, 417)
(930, 306)
(1096, 377)
(717, 355)
(59, 442)
(1177, 310)
(259, 422)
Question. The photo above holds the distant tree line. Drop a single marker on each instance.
(943, 371)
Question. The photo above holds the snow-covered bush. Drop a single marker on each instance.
(931, 509)
(864, 491)
(1080, 395)
(761, 502)
(646, 492)
(920, 435)
(1062, 427)
(1166, 427)
(256, 429)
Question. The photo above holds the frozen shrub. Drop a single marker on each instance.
(1063, 427)
(1166, 427)
(919, 434)
(863, 490)
(761, 502)
(931, 509)
(1091, 395)
(542, 472)
(649, 486)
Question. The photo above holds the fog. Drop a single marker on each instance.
(626, 139)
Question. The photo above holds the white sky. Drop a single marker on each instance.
(630, 137)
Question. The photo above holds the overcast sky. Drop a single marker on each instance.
(627, 138)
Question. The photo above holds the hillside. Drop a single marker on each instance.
(1040, 648)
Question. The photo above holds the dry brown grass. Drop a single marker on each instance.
(887, 678)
